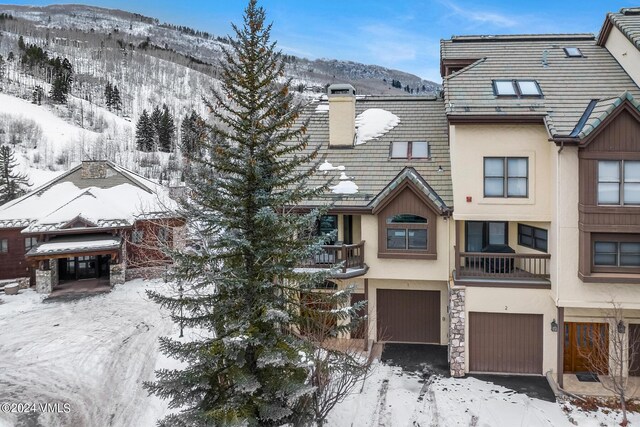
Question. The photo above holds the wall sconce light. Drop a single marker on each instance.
(554, 326)
(621, 327)
(440, 170)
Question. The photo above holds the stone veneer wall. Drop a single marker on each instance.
(94, 170)
(145, 273)
(117, 273)
(46, 280)
(457, 322)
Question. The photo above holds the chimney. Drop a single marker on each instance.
(342, 115)
(94, 169)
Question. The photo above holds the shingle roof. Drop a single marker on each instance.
(628, 22)
(369, 165)
(601, 109)
(568, 84)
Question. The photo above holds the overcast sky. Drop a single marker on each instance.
(401, 34)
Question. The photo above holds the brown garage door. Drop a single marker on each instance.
(408, 316)
(501, 342)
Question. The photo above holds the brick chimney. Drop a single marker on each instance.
(342, 115)
(94, 169)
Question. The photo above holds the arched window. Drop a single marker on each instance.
(407, 232)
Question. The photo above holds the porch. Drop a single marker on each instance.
(348, 260)
(501, 253)
(81, 287)
(573, 385)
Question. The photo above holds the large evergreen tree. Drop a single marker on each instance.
(12, 183)
(145, 132)
(241, 289)
(116, 101)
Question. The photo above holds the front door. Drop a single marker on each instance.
(87, 267)
(586, 347)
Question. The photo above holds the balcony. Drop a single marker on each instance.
(348, 260)
(500, 268)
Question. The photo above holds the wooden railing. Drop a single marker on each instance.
(350, 256)
(502, 265)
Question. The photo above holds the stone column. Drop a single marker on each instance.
(44, 277)
(456, 332)
(116, 274)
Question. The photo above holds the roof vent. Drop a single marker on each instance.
(545, 58)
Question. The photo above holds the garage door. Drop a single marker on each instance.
(408, 316)
(500, 342)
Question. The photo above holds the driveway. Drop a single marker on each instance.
(533, 386)
(424, 359)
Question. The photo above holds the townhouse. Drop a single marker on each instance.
(544, 135)
(390, 206)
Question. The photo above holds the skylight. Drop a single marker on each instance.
(528, 88)
(516, 88)
(573, 52)
(504, 87)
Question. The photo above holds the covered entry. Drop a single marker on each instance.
(408, 316)
(505, 343)
(84, 267)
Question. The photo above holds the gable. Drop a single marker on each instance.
(407, 200)
(111, 178)
(619, 132)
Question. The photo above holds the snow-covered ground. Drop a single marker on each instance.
(94, 353)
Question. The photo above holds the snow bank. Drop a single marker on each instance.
(374, 123)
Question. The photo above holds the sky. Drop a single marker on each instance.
(401, 34)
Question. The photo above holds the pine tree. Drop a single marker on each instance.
(12, 183)
(116, 101)
(166, 130)
(108, 95)
(21, 44)
(241, 285)
(145, 132)
(193, 133)
(156, 118)
(3, 68)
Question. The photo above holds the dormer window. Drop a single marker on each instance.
(409, 150)
(517, 88)
(573, 52)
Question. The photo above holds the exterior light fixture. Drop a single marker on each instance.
(554, 326)
(621, 327)
(440, 170)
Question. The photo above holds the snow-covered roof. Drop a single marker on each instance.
(76, 244)
(73, 200)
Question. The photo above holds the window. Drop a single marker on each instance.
(532, 237)
(407, 232)
(573, 52)
(409, 150)
(29, 242)
(137, 236)
(517, 88)
(618, 182)
(163, 235)
(4, 245)
(328, 226)
(506, 176)
(480, 234)
(616, 254)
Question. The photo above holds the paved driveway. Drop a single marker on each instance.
(425, 359)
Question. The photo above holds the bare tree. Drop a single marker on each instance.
(610, 353)
(337, 364)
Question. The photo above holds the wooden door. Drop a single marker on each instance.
(634, 350)
(586, 347)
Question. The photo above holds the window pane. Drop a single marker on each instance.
(497, 233)
(528, 87)
(608, 171)
(541, 244)
(493, 167)
(517, 168)
(504, 88)
(630, 260)
(573, 51)
(540, 233)
(632, 193)
(526, 240)
(406, 218)
(417, 239)
(605, 259)
(606, 247)
(420, 150)
(630, 248)
(399, 149)
(494, 187)
(631, 171)
(517, 187)
(608, 193)
(396, 238)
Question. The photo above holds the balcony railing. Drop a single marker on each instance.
(350, 256)
(502, 266)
